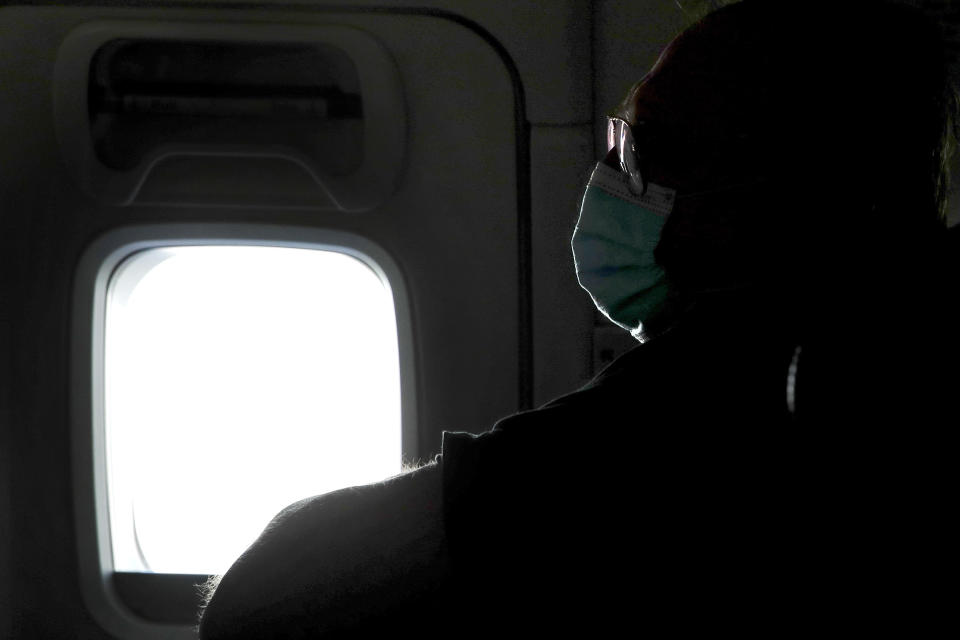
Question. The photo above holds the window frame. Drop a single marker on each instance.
(120, 610)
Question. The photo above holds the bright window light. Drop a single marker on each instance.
(239, 379)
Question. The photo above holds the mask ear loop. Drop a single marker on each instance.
(792, 383)
(637, 183)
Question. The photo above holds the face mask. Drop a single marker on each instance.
(613, 247)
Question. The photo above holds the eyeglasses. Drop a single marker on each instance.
(620, 136)
(633, 142)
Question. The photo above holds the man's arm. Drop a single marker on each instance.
(339, 563)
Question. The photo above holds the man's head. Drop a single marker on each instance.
(817, 133)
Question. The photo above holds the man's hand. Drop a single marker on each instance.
(343, 563)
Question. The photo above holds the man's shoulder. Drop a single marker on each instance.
(319, 567)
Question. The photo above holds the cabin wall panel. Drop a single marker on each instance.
(563, 312)
(462, 186)
(548, 41)
(36, 244)
(6, 503)
(44, 575)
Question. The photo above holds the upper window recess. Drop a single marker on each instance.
(198, 114)
(238, 379)
(146, 93)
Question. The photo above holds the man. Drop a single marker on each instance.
(784, 163)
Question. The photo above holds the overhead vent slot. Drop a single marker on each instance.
(230, 114)
(147, 93)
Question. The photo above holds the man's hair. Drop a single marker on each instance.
(860, 92)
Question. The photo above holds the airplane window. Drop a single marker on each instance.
(239, 379)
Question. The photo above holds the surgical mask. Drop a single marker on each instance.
(613, 247)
